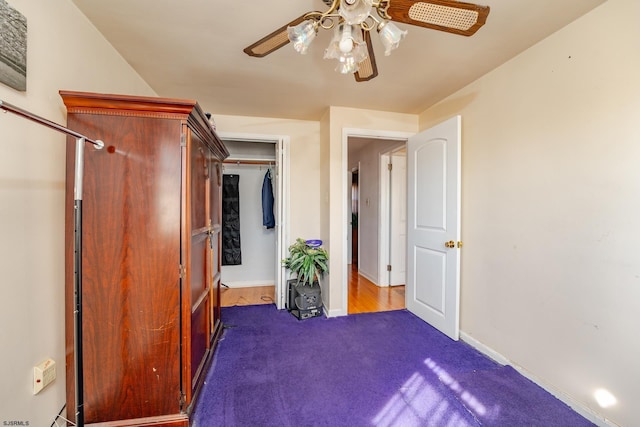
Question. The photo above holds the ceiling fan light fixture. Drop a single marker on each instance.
(352, 45)
(347, 65)
(355, 12)
(346, 39)
(390, 36)
(302, 35)
(348, 47)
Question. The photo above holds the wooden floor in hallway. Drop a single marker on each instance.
(364, 296)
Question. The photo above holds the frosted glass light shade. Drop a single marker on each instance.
(345, 39)
(302, 35)
(333, 50)
(390, 36)
(348, 59)
(347, 64)
(354, 12)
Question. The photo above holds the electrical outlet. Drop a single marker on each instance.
(43, 375)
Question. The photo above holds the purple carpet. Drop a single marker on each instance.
(378, 369)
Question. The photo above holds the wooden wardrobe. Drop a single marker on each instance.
(151, 257)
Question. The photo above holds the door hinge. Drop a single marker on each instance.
(181, 271)
(390, 166)
(183, 400)
(388, 267)
(183, 140)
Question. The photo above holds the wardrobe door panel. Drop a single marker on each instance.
(215, 305)
(215, 197)
(199, 177)
(200, 249)
(216, 192)
(131, 229)
(199, 284)
(199, 341)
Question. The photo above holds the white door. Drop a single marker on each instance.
(398, 220)
(281, 193)
(433, 226)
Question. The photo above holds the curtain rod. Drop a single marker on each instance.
(27, 115)
(249, 162)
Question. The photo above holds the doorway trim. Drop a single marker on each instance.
(385, 218)
(350, 253)
(346, 134)
(282, 143)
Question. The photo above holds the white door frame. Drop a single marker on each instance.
(383, 219)
(346, 134)
(281, 202)
(350, 212)
(384, 237)
(350, 215)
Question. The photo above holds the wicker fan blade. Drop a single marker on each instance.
(444, 15)
(367, 69)
(273, 41)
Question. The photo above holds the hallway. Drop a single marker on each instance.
(366, 297)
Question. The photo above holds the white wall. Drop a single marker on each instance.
(551, 201)
(64, 52)
(258, 244)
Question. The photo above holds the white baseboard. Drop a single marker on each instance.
(249, 283)
(579, 407)
(487, 351)
(368, 277)
(334, 313)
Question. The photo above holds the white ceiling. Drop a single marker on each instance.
(193, 49)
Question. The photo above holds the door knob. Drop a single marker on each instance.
(450, 244)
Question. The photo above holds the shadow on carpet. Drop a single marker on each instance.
(377, 369)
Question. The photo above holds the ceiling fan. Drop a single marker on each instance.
(353, 21)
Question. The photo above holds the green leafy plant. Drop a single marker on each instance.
(309, 263)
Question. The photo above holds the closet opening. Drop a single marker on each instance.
(254, 220)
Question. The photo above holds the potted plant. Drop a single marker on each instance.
(308, 260)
